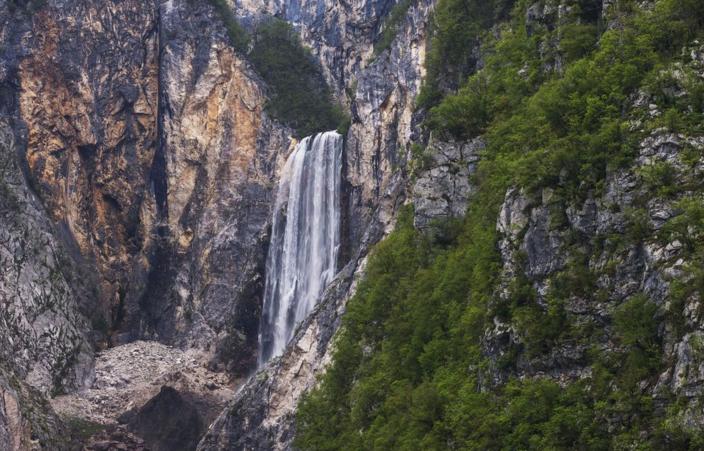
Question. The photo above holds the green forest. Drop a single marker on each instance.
(556, 108)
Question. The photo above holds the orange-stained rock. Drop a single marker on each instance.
(90, 108)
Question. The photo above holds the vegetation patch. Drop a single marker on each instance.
(81, 429)
(409, 370)
(300, 97)
(237, 34)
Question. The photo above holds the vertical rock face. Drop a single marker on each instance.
(214, 177)
(144, 136)
(340, 34)
(156, 161)
(442, 186)
(88, 99)
(43, 337)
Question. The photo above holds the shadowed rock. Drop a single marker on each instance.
(167, 422)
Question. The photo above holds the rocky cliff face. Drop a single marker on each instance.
(153, 163)
(154, 158)
(542, 237)
(27, 421)
(378, 88)
(215, 174)
(381, 91)
(137, 186)
(616, 241)
(44, 336)
(91, 141)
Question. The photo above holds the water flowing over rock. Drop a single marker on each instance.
(305, 238)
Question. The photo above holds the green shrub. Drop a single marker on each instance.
(687, 226)
(636, 327)
(577, 40)
(81, 429)
(660, 179)
(466, 114)
(456, 28)
(300, 96)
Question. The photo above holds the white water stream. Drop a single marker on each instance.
(305, 239)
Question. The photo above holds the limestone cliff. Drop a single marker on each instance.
(88, 99)
(154, 158)
(138, 169)
(144, 136)
(214, 176)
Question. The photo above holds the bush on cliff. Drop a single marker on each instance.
(300, 95)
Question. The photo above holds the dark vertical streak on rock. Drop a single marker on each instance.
(158, 171)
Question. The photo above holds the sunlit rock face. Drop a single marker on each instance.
(215, 177)
(153, 166)
(147, 142)
(88, 99)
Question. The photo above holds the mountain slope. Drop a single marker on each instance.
(562, 311)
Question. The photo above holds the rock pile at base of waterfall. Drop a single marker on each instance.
(129, 377)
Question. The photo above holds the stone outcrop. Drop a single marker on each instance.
(167, 422)
(27, 421)
(542, 235)
(442, 186)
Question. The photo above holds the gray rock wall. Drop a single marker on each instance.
(43, 336)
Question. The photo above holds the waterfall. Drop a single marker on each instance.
(305, 239)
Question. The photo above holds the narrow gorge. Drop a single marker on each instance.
(351, 225)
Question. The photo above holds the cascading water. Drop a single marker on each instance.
(305, 239)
